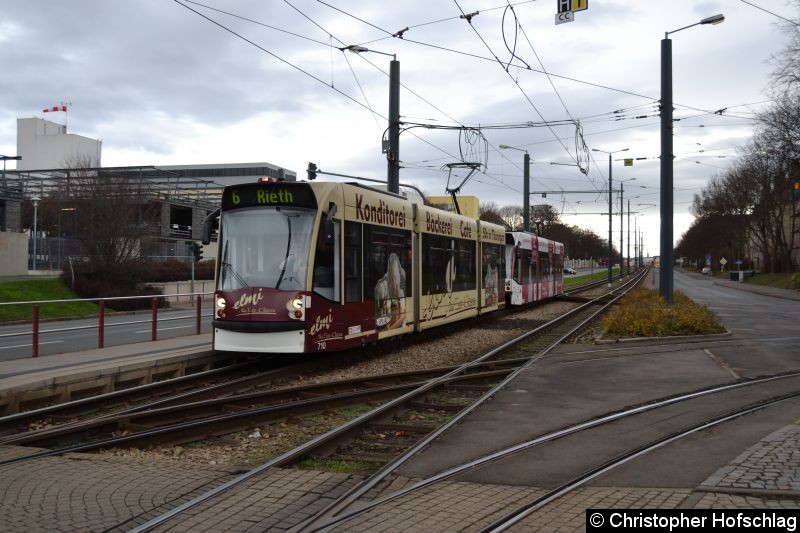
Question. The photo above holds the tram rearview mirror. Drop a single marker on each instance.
(331, 212)
(210, 225)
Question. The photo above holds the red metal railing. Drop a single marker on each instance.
(101, 317)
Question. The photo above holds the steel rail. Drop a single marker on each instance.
(519, 514)
(134, 415)
(549, 437)
(351, 496)
(215, 421)
(300, 451)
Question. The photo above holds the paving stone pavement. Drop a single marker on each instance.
(446, 506)
(569, 513)
(765, 476)
(274, 501)
(771, 464)
(81, 492)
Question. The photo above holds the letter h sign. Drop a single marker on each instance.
(572, 5)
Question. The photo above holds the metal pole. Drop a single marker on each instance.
(393, 156)
(610, 242)
(101, 324)
(35, 207)
(621, 229)
(35, 333)
(628, 253)
(526, 194)
(198, 315)
(665, 281)
(154, 320)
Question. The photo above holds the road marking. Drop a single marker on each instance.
(25, 345)
(164, 329)
(723, 364)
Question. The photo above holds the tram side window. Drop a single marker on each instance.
(544, 263)
(387, 262)
(465, 265)
(352, 262)
(326, 264)
(524, 266)
(558, 263)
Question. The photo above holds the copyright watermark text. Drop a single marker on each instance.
(690, 520)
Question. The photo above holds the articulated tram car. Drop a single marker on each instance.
(311, 267)
(315, 267)
(534, 268)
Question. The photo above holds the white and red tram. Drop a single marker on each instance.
(534, 268)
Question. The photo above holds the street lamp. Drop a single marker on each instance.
(392, 148)
(8, 158)
(35, 201)
(610, 209)
(526, 187)
(666, 281)
(621, 224)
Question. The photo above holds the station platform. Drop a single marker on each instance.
(31, 381)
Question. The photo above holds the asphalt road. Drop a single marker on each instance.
(64, 336)
(766, 329)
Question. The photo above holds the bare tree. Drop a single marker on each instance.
(109, 216)
(490, 212)
(786, 73)
(512, 215)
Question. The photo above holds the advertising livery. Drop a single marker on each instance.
(315, 267)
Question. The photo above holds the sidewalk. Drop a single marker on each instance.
(69, 375)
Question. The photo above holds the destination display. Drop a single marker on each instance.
(268, 195)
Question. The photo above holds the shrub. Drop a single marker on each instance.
(643, 313)
(124, 281)
(172, 270)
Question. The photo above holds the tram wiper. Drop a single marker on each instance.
(288, 246)
(226, 266)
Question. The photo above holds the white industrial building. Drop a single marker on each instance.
(174, 199)
(46, 144)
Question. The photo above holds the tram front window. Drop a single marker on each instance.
(265, 247)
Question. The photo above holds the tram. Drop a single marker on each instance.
(534, 268)
(306, 267)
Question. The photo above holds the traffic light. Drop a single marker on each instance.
(197, 251)
(312, 171)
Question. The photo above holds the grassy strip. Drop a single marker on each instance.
(569, 281)
(643, 313)
(783, 280)
(41, 289)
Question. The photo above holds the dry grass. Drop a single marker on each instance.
(643, 313)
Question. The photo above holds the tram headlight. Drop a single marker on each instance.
(220, 307)
(295, 307)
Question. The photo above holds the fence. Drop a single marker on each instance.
(101, 316)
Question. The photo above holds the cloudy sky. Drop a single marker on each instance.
(160, 84)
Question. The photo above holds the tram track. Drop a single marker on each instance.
(740, 399)
(105, 409)
(530, 346)
(187, 421)
(175, 419)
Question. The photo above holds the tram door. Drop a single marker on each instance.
(327, 260)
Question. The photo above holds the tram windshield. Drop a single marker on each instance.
(265, 247)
